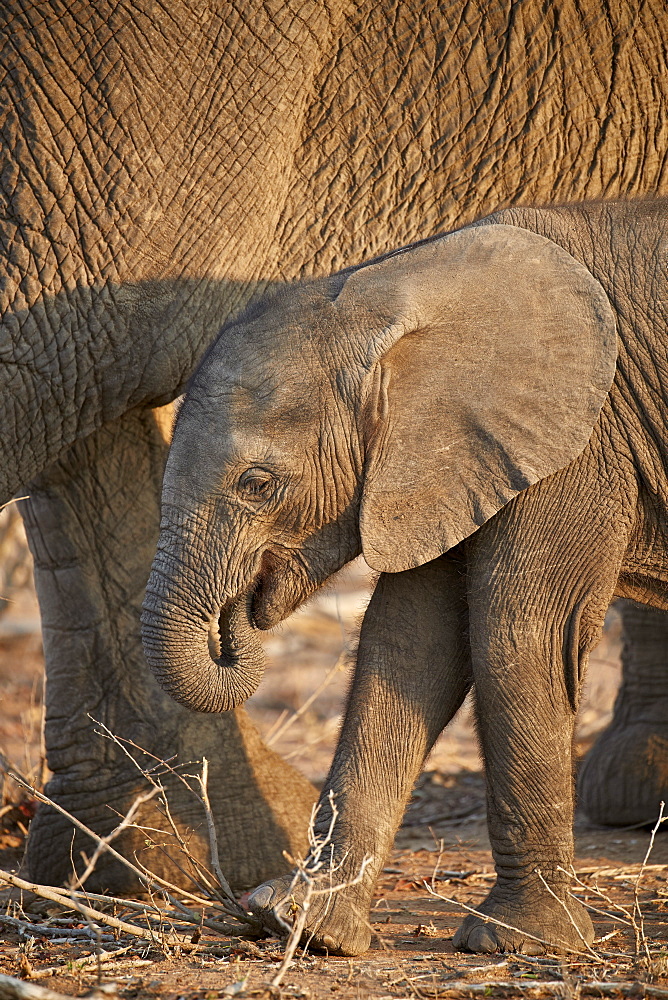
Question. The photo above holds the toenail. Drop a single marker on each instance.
(482, 939)
(261, 897)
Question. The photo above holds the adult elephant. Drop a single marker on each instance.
(161, 164)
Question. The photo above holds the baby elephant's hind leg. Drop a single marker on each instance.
(540, 579)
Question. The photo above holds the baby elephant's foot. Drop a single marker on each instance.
(335, 922)
(532, 927)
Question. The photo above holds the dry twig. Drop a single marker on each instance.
(56, 934)
(18, 989)
(569, 915)
(500, 923)
(103, 842)
(48, 892)
(213, 843)
(282, 724)
(513, 988)
(638, 918)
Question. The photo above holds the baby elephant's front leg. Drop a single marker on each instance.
(412, 675)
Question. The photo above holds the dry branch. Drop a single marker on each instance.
(638, 918)
(56, 934)
(213, 845)
(556, 987)
(101, 959)
(17, 989)
(48, 892)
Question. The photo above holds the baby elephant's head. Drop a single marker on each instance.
(390, 409)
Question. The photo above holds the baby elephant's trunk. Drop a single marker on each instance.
(210, 662)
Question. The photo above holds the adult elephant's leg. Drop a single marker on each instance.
(92, 523)
(541, 576)
(624, 776)
(412, 674)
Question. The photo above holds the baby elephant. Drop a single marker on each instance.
(483, 415)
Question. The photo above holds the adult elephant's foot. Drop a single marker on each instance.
(260, 804)
(527, 925)
(337, 923)
(624, 777)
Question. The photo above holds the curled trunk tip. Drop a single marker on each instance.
(179, 652)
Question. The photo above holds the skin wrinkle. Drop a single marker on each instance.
(171, 566)
(618, 50)
(333, 471)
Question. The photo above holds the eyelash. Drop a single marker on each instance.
(256, 487)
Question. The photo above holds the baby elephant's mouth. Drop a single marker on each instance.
(281, 587)
(268, 604)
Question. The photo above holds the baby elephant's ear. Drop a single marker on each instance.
(506, 351)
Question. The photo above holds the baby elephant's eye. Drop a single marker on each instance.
(256, 484)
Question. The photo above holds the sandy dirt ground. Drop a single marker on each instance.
(442, 847)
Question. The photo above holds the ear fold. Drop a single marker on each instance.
(507, 354)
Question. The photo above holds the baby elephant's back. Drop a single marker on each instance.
(624, 244)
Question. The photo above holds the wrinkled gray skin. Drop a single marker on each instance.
(156, 172)
(483, 416)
